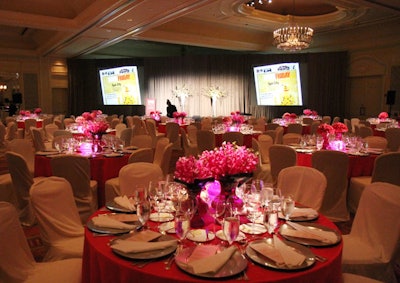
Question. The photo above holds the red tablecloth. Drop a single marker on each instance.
(101, 169)
(101, 265)
(358, 165)
(21, 124)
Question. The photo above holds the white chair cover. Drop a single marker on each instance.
(38, 140)
(28, 124)
(295, 128)
(291, 138)
(142, 141)
(172, 133)
(165, 160)
(152, 130)
(26, 149)
(334, 165)
(279, 135)
(126, 136)
(281, 156)
(22, 181)
(263, 170)
(265, 142)
(386, 169)
(2, 135)
(118, 129)
(142, 155)
(7, 191)
(137, 175)
(306, 184)
(76, 169)
(16, 261)
(393, 137)
(50, 129)
(354, 278)
(376, 142)
(189, 148)
(191, 131)
(374, 238)
(58, 217)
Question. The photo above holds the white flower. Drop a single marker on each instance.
(214, 92)
(181, 92)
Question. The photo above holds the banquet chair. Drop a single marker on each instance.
(347, 122)
(188, 148)
(271, 133)
(260, 124)
(11, 131)
(393, 137)
(129, 121)
(17, 263)
(141, 155)
(119, 128)
(62, 133)
(307, 185)
(126, 136)
(271, 126)
(233, 137)
(191, 131)
(22, 181)
(265, 142)
(326, 120)
(131, 178)
(152, 130)
(142, 141)
(50, 129)
(172, 133)
(308, 120)
(263, 170)
(76, 170)
(334, 165)
(59, 124)
(354, 121)
(364, 131)
(67, 122)
(295, 128)
(163, 160)
(38, 140)
(372, 246)
(386, 169)
(314, 127)
(354, 278)
(114, 123)
(279, 135)
(205, 140)
(336, 119)
(291, 138)
(206, 123)
(281, 156)
(139, 127)
(60, 225)
(26, 149)
(28, 124)
(376, 142)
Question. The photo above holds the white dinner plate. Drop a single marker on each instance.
(200, 235)
(254, 229)
(161, 217)
(221, 236)
(113, 206)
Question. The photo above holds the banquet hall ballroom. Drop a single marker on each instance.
(201, 55)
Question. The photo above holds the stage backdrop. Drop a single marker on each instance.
(161, 78)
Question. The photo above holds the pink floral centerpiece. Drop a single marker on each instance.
(155, 115)
(309, 112)
(289, 117)
(179, 116)
(325, 130)
(94, 125)
(38, 111)
(383, 116)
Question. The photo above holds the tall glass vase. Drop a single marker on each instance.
(96, 143)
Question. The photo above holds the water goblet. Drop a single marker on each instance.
(287, 206)
(182, 225)
(231, 228)
(143, 212)
(254, 210)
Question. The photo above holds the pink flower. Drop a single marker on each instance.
(339, 127)
(325, 129)
(286, 116)
(22, 112)
(293, 116)
(383, 115)
(227, 160)
(38, 111)
(314, 113)
(307, 112)
(237, 118)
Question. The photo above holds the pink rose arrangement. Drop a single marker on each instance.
(309, 112)
(155, 115)
(179, 115)
(383, 115)
(325, 129)
(25, 113)
(339, 127)
(38, 111)
(227, 160)
(93, 122)
(237, 118)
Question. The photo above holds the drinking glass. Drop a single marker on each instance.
(231, 228)
(143, 212)
(254, 209)
(319, 143)
(182, 225)
(287, 206)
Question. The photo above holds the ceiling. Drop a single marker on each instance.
(122, 28)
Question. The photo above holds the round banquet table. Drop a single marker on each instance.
(101, 265)
(101, 169)
(358, 165)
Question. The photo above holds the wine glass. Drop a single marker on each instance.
(231, 228)
(287, 206)
(182, 225)
(254, 209)
(143, 212)
(217, 208)
(189, 207)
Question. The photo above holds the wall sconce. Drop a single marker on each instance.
(3, 87)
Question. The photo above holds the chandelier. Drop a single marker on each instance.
(293, 37)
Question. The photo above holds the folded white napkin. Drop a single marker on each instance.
(279, 252)
(127, 246)
(124, 202)
(305, 232)
(107, 222)
(304, 212)
(211, 263)
(290, 256)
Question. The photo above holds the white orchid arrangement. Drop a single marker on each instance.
(214, 92)
(181, 92)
